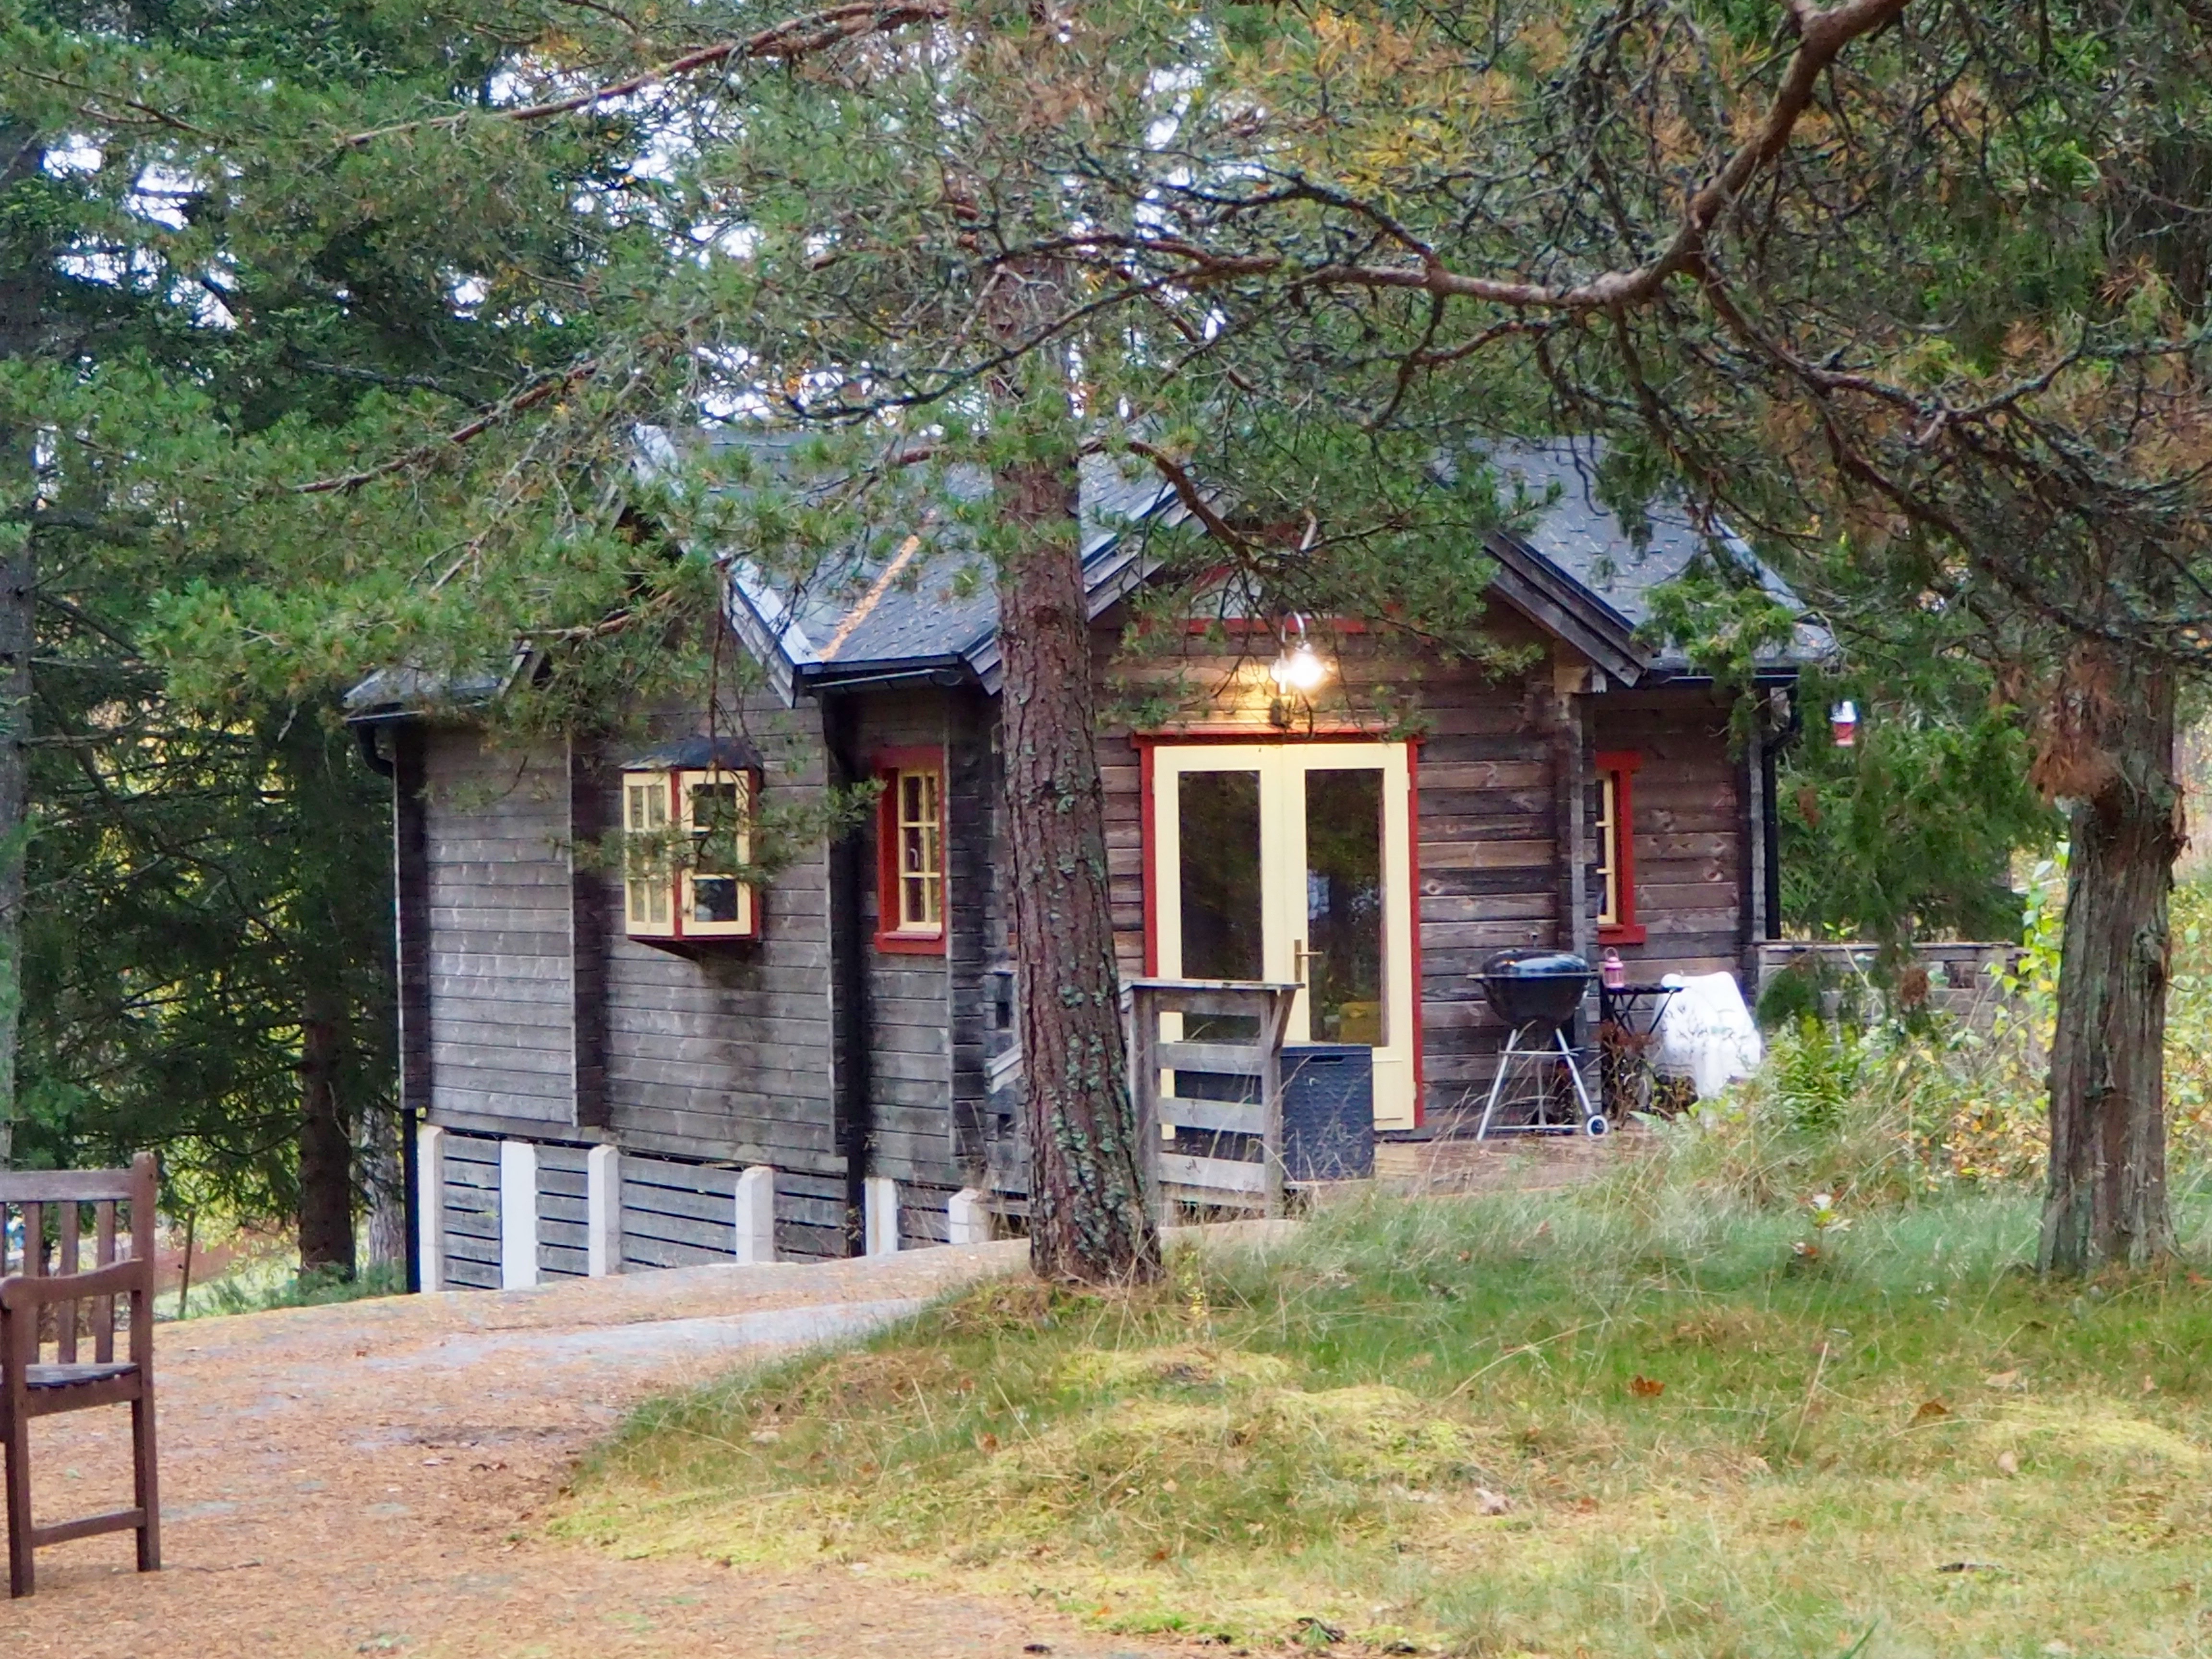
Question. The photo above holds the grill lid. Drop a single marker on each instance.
(1534, 964)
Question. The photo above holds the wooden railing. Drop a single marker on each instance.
(1247, 1172)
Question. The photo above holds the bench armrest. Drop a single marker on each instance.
(123, 1277)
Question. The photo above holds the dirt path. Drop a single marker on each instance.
(371, 1478)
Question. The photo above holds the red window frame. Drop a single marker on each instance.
(1621, 764)
(890, 938)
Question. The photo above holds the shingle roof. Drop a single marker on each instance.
(915, 597)
(924, 600)
(1580, 542)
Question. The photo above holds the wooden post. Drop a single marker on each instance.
(185, 1279)
(603, 1224)
(755, 1208)
(430, 1206)
(1145, 1090)
(518, 1215)
(1274, 1022)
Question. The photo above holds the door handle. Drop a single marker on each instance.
(1300, 956)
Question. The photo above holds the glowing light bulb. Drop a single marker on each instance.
(1300, 668)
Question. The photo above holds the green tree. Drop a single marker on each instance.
(201, 958)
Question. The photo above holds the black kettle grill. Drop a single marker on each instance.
(1535, 988)
(1536, 992)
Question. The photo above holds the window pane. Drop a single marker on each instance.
(715, 814)
(920, 851)
(1343, 905)
(714, 898)
(1608, 847)
(1218, 817)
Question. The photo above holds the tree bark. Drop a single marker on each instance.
(23, 298)
(1087, 1215)
(326, 1138)
(2106, 1200)
(18, 625)
(386, 1187)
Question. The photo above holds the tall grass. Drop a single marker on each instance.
(1641, 1419)
(1788, 1386)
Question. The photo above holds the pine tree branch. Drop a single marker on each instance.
(1822, 35)
(491, 417)
(792, 38)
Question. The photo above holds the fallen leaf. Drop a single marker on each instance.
(2008, 1464)
(2000, 1379)
(2150, 1385)
(1487, 1502)
(1929, 1411)
(1644, 1387)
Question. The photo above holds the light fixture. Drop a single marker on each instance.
(1844, 725)
(1299, 667)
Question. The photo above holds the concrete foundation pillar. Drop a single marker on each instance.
(603, 1222)
(518, 1215)
(756, 1215)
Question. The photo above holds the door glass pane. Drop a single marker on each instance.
(1219, 827)
(1343, 905)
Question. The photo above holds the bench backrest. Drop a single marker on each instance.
(32, 1202)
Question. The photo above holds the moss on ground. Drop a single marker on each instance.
(1636, 1421)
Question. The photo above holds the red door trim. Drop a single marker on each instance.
(1413, 921)
(1151, 860)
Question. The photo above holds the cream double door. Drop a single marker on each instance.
(1294, 862)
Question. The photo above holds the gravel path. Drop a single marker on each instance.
(371, 1477)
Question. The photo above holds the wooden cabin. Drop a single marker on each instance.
(615, 1073)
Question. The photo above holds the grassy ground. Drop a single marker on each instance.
(1652, 1418)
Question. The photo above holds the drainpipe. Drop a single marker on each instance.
(1770, 755)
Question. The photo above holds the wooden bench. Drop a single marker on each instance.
(31, 1387)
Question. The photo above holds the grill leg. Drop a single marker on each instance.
(1575, 1075)
(1497, 1082)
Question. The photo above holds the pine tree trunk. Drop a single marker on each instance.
(18, 629)
(325, 1140)
(2106, 1202)
(1087, 1215)
(22, 295)
(385, 1186)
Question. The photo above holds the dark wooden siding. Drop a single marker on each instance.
(724, 1054)
(911, 997)
(469, 1213)
(1502, 767)
(1692, 857)
(501, 988)
(564, 1247)
(1491, 859)
(676, 1215)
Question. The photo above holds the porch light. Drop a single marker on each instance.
(1299, 667)
(1844, 725)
